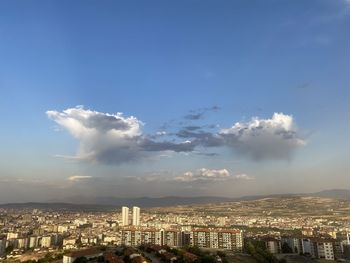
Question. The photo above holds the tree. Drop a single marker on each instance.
(207, 259)
(101, 259)
(9, 248)
(260, 254)
(221, 254)
(286, 248)
(81, 260)
(195, 250)
(127, 259)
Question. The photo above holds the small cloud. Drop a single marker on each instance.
(244, 177)
(208, 154)
(199, 113)
(77, 178)
(199, 178)
(161, 133)
(57, 128)
(210, 175)
(192, 128)
(194, 116)
(304, 86)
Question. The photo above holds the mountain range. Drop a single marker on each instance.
(110, 203)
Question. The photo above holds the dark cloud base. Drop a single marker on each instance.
(114, 139)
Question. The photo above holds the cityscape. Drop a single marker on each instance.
(229, 228)
(162, 131)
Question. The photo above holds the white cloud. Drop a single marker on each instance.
(110, 138)
(114, 139)
(274, 138)
(161, 133)
(86, 123)
(76, 178)
(210, 175)
(244, 177)
(103, 137)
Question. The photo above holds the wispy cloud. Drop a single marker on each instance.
(76, 178)
(244, 177)
(211, 175)
(200, 176)
(199, 113)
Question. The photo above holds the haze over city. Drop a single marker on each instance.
(180, 98)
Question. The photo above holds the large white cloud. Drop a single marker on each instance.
(114, 138)
(274, 138)
(111, 138)
(103, 137)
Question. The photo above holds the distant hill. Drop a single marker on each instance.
(257, 197)
(77, 203)
(334, 193)
(59, 206)
(80, 203)
(330, 193)
(150, 201)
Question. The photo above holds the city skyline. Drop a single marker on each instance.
(232, 227)
(185, 98)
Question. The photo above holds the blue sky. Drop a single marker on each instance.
(160, 61)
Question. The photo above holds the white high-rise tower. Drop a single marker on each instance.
(136, 216)
(125, 216)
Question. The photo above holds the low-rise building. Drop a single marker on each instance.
(87, 253)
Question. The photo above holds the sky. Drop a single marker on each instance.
(184, 98)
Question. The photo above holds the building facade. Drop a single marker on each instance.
(125, 216)
(136, 216)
